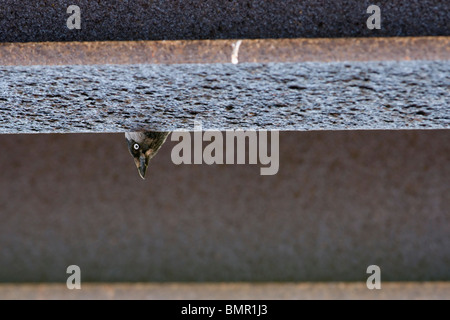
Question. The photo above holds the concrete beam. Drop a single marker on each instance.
(287, 94)
(42, 20)
(225, 51)
(227, 291)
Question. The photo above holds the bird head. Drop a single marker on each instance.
(143, 146)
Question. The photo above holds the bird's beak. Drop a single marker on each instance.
(142, 165)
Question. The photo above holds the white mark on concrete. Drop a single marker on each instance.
(234, 55)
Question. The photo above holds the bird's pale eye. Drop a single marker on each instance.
(136, 146)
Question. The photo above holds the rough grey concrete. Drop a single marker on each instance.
(44, 20)
(285, 96)
(229, 291)
(341, 201)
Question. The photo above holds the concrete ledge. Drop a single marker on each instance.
(297, 84)
(283, 96)
(227, 291)
(221, 51)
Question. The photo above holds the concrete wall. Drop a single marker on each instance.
(44, 20)
(340, 202)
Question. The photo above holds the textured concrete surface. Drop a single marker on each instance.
(230, 291)
(285, 96)
(341, 201)
(223, 51)
(45, 20)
